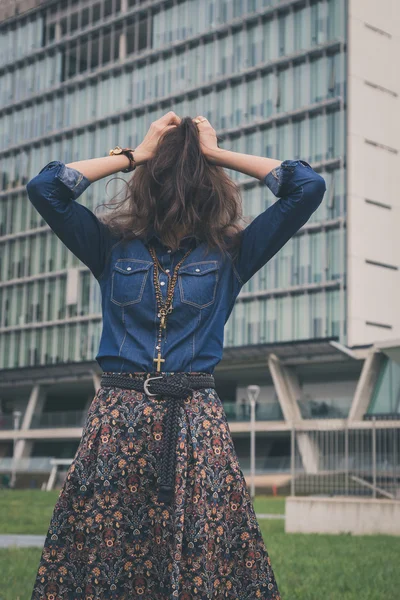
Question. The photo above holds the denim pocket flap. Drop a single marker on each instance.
(199, 268)
(129, 266)
(199, 291)
(129, 290)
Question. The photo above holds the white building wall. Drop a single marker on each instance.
(373, 170)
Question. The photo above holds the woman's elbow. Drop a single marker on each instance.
(315, 190)
(32, 188)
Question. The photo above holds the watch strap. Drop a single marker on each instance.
(129, 154)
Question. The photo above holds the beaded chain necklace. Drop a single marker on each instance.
(164, 308)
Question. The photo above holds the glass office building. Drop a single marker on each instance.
(79, 76)
(280, 78)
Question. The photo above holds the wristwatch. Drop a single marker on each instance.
(129, 153)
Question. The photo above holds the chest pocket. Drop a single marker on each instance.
(128, 279)
(198, 283)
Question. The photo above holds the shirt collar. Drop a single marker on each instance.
(185, 242)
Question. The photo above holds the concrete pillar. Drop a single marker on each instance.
(366, 385)
(309, 451)
(23, 448)
(57, 34)
(122, 46)
(52, 478)
(288, 390)
(96, 381)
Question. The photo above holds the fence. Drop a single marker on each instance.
(49, 420)
(354, 460)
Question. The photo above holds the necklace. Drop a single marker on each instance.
(164, 308)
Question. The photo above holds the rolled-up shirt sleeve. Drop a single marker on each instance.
(53, 192)
(300, 191)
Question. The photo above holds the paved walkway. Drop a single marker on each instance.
(25, 541)
(21, 541)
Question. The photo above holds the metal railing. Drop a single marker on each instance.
(266, 464)
(346, 461)
(35, 464)
(77, 418)
(48, 420)
(264, 412)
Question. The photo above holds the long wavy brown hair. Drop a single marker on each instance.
(177, 193)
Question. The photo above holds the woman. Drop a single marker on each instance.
(155, 504)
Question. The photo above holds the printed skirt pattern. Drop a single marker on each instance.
(110, 539)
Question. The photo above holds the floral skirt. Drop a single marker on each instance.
(110, 539)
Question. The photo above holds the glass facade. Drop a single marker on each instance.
(386, 397)
(79, 76)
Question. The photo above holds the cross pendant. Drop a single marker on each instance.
(159, 360)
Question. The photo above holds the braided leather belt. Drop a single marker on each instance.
(175, 388)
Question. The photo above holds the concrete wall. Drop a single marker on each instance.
(358, 516)
(373, 163)
(10, 8)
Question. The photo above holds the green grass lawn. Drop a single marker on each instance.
(269, 504)
(26, 511)
(29, 511)
(307, 567)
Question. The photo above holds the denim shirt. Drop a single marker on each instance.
(206, 288)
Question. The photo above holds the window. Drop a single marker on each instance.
(317, 324)
(254, 46)
(284, 94)
(236, 92)
(282, 34)
(270, 42)
(268, 87)
(386, 397)
(96, 10)
(336, 20)
(253, 99)
(83, 56)
(318, 79)
(335, 142)
(317, 138)
(107, 40)
(284, 140)
(94, 51)
(301, 87)
(236, 43)
(72, 59)
(319, 23)
(334, 252)
(85, 18)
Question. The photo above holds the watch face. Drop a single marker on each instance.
(117, 150)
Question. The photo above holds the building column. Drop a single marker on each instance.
(288, 390)
(366, 385)
(122, 46)
(57, 36)
(23, 448)
(96, 381)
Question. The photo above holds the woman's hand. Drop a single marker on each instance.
(208, 138)
(147, 148)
